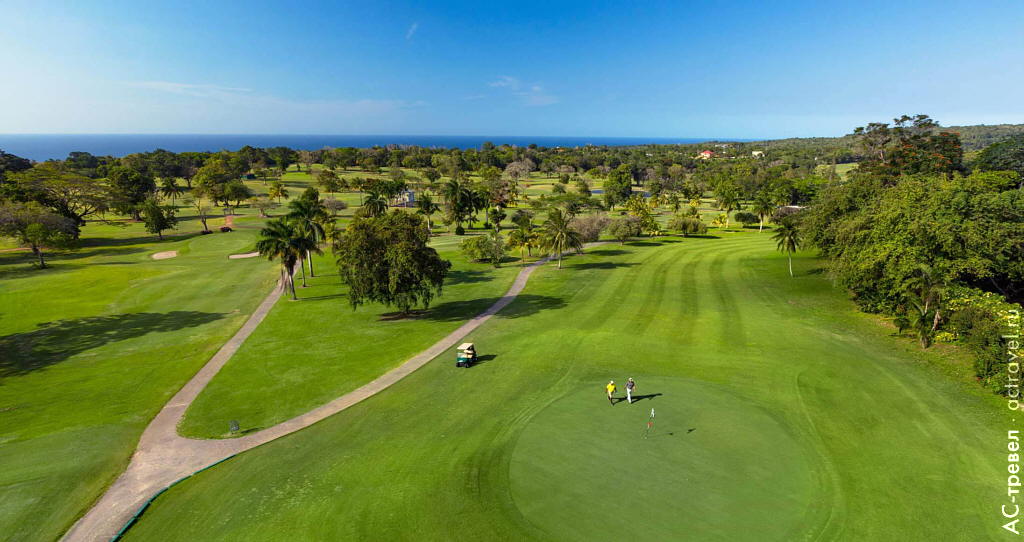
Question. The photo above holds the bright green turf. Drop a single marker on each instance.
(825, 407)
(708, 448)
(310, 351)
(126, 332)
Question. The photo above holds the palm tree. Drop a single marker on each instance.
(458, 198)
(763, 206)
(279, 241)
(920, 320)
(557, 237)
(376, 204)
(305, 244)
(311, 215)
(787, 237)
(277, 191)
(728, 201)
(525, 238)
(169, 188)
(927, 290)
(425, 206)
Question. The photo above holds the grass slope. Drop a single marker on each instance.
(91, 349)
(882, 444)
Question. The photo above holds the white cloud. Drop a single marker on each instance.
(187, 89)
(532, 94)
(506, 81)
(223, 105)
(412, 30)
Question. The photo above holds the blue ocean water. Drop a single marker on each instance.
(57, 146)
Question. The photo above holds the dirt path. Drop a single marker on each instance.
(163, 456)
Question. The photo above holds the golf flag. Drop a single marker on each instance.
(650, 424)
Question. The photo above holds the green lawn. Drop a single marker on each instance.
(310, 351)
(91, 348)
(783, 414)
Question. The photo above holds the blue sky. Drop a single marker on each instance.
(673, 69)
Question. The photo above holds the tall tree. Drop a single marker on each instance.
(169, 188)
(458, 202)
(311, 214)
(426, 207)
(618, 186)
(525, 238)
(728, 199)
(279, 241)
(387, 260)
(67, 193)
(277, 191)
(557, 237)
(130, 187)
(33, 225)
(763, 207)
(202, 210)
(157, 217)
(787, 238)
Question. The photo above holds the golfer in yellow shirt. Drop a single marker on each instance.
(611, 391)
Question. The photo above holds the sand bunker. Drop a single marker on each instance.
(165, 255)
(243, 256)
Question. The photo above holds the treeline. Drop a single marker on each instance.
(83, 187)
(917, 234)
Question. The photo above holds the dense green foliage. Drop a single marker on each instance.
(489, 247)
(908, 226)
(625, 228)
(386, 260)
(1003, 156)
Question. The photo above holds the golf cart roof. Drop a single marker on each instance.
(465, 346)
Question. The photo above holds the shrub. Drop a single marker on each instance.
(977, 319)
(335, 205)
(746, 218)
(590, 226)
(687, 225)
(624, 228)
(582, 186)
(485, 248)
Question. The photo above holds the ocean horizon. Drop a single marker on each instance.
(41, 147)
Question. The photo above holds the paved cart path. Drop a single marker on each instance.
(163, 456)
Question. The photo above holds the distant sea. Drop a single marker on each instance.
(57, 146)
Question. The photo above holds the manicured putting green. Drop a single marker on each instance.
(716, 466)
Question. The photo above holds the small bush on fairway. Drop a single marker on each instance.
(746, 218)
(590, 226)
(485, 248)
(625, 228)
(687, 225)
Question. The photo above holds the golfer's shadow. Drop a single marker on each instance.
(648, 396)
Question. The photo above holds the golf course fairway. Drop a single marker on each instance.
(782, 414)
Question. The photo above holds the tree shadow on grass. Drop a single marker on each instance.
(461, 276)
(457, 311)
(607, 252)
(54, 342)
(601, 265)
